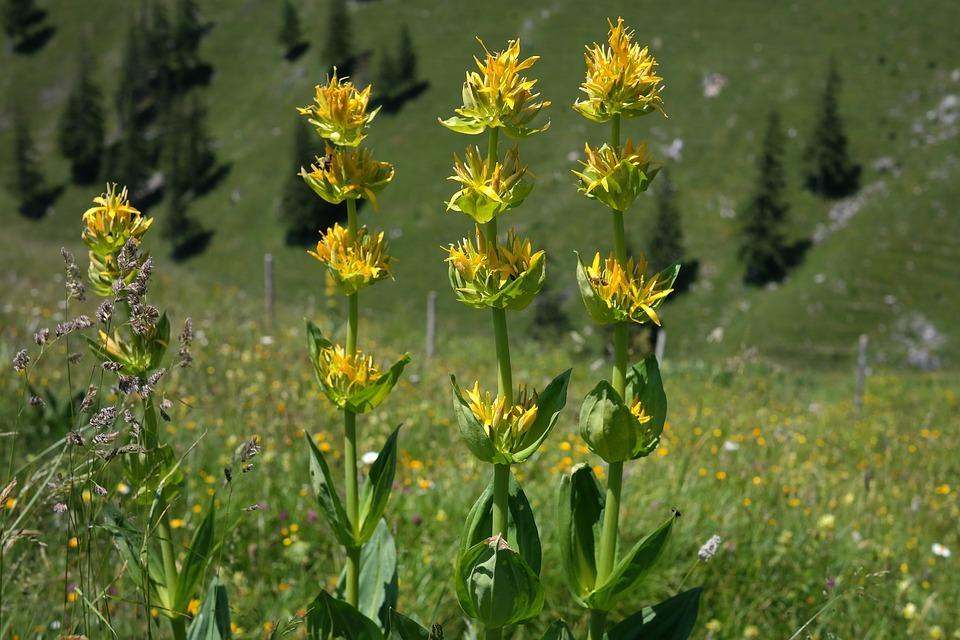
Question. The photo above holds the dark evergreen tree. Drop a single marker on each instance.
(666, 238)
(387, 78)
(303, 212)
(185, 56)
(290, 35)
(179, 227)
(200, 158)
(19, 18)
(829, 170)
(763, 246)
(81, 134)
(26, 182)
(406, 58)
(159, 59)
(337, 50)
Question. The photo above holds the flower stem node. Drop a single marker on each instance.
(356, 262)
(339, 111)
(615, 293)
(501, 434)
(497, 96)
(351, 381)
(504, 276)
(616, 177)
(621, 79)
(619, 429)
(488, 189)
(347, 174)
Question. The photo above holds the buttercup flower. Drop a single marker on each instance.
(347, 174)
(616, 178)
(486, 192)
(355, 263)
(486, 274)
(613, 293)
(339, 111)
(620, 78)
(498, 96)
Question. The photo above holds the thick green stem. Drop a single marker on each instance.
(501, 490)
(179, 627)
(353, 503)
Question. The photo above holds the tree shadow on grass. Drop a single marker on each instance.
(38, 207)
(293, 53)
(192, 245)
(394, 102)
(213, 178)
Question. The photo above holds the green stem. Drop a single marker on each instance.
(615, 132)
(353, 504)
(492, 141)
(501, 491)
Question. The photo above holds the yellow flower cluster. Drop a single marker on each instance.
(616, 177)
(626, 291)
(488, 191)
(344, 374)
(354, 262)
(339, 111)
(112, 222)
(347, 174)
(498, 96)
(505, 425)
(505, 275)
(620, 78)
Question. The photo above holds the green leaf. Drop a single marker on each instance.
(370, 397)
(607, 425)
(644, 383)
(521, 527)
(196, 560)
(473, 432)
(155, 471)
(378, 576)
(129, 542)
(327, 497)
(376, 491)
(316, 341)
(159, 341)
(495, 585)
(328, 618)
(558, 630)
(672, 619)
(460, 124)
(403, 628)
(551, 403)
(631, 568)
(580, 515)
(213, 620)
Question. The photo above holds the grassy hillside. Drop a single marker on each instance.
(888, 272)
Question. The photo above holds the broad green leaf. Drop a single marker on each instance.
(631, 568)
(551, 403)
(213, 620)
(376, 491)
(474, 434)
(329, 618)
(558, 630)
(197, 559)
(607, 426)
(327, 497)
(403, 628)
(316, 341)
(378, 576)
(521, 526)
(645, 384)
(580, 515)
(495, 585)
(672, 619)
(596, 307)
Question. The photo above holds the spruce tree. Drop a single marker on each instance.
(290, 35)
(303, 213)
(829, 172)
(200, 157)
(666, 240)
(178, 226)
(406, 58)
(81, 134)
(337, 50)
(18, 18)
(387, 76)
(184, 56)
(763, 247)
(26, 181)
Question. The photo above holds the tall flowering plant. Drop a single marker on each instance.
(352, 380)
(621, 419)
(497, 572)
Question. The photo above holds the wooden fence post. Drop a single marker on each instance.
(431, 323)
(268, 290)
(861, 373)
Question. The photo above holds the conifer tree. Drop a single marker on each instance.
(178, 226)
(337, 50)
(829, 171)
(387, 76)
(290, 35)
(81, 134)
(18, 18)
(763, 247)
(666, 240)
(406, 58)
(200, 157)
(26, 182)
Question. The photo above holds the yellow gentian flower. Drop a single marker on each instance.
(339, 111)
(488, 191)
(354, 262)
(112, 221)
(347, 174)
(615, 293)
(621, 79)
(616, 177)
(497, 96)
(505, 425)
(490, 274)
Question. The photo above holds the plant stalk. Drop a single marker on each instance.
(501, 491)
(350, 439)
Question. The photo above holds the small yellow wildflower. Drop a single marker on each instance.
(347, 174)
(750, 632)
(826, 522)
(488, 189)
(615, 177)
(497, 96)
(714, 625)
(620, 78)
(193, 608)
(73, 542)
(339, 111)
(504, 425)
(909, 611)
(112, 221)
(613, 293)
(177, 523)
(354, 262)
